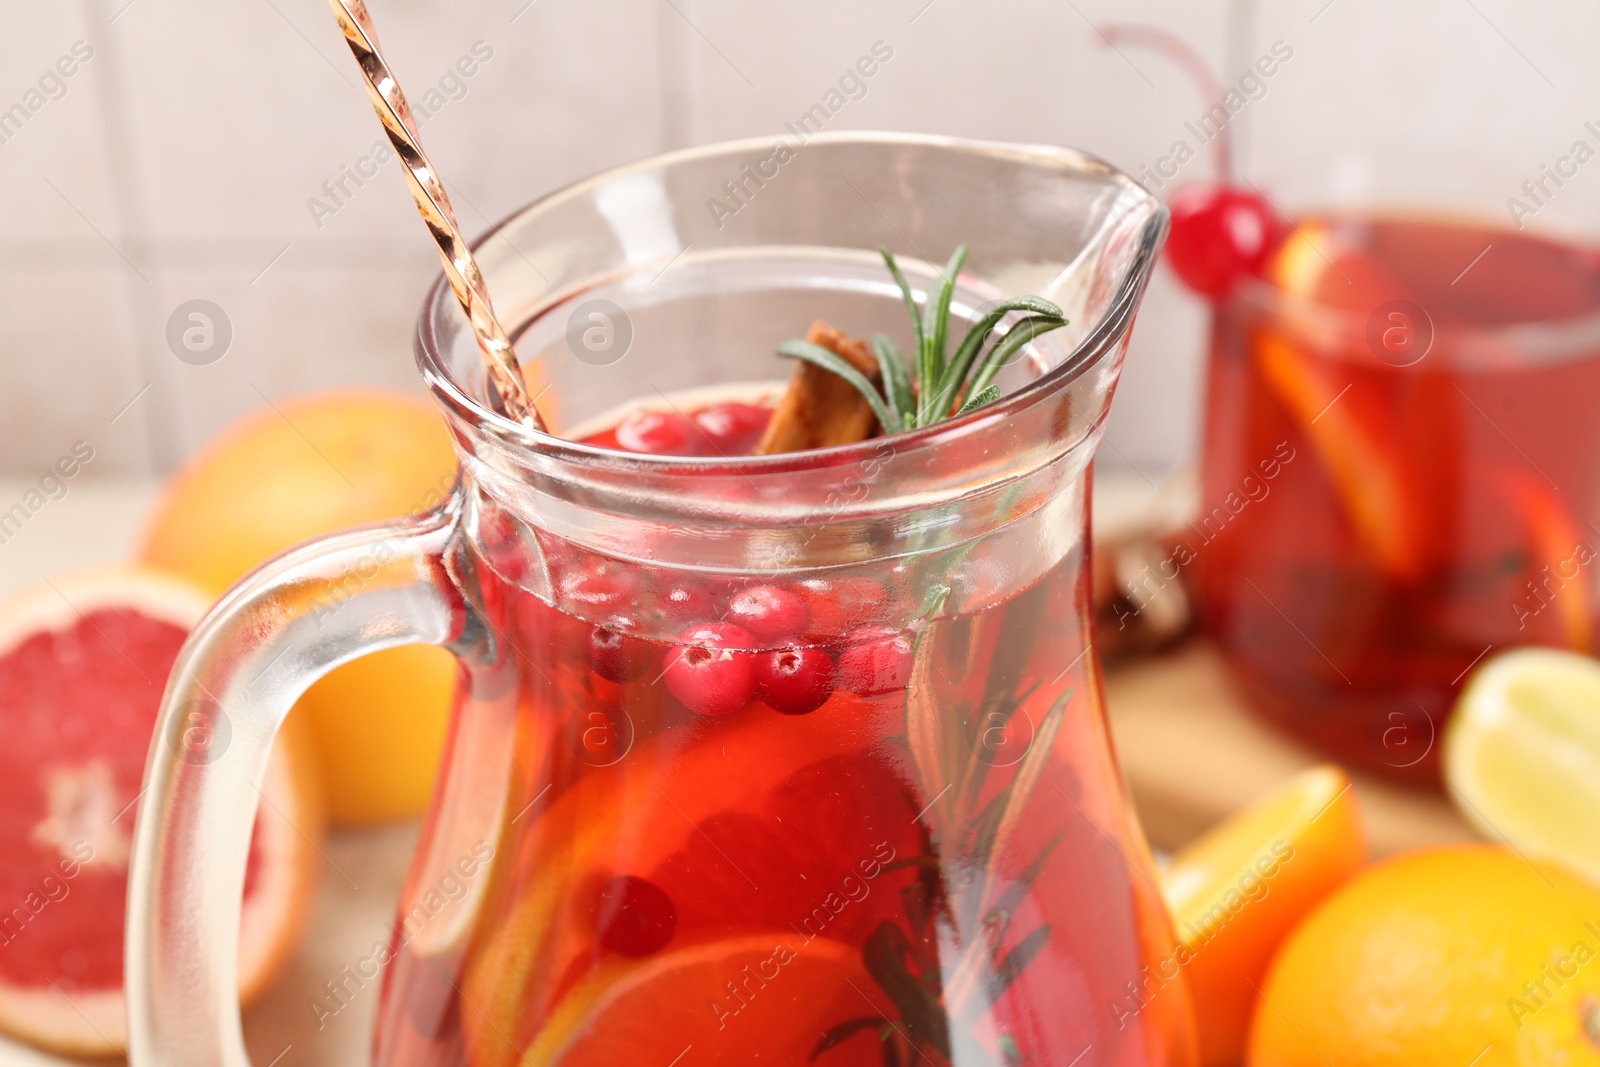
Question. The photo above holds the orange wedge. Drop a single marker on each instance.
(1316, 262)
(762, 998)
(1237, 891)
(1555, 546)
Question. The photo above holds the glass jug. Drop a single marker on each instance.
(929, 858)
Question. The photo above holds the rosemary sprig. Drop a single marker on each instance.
(938, 384)
(956, 953)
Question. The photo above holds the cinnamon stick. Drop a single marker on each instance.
(819, 408)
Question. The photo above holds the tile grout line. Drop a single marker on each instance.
(163, 444)
(674, 78)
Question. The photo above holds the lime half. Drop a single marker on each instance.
(1522, 755)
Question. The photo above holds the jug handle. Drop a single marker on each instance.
(278, 630)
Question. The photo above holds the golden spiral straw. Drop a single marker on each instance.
(466, 280)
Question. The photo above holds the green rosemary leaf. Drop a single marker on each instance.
(896, 383)
(828, 361)
(837, 1035)
(924, 860)
(935, 328)
(985, 824)
(977, 400)
(998, 917)
(1019, 887)
(889, 1036)
(924, 716)
(955, 374)
(1008, 346)
(885, 954)
(1010, 966)
(918, 907)
(905, 293)
(1022, 783)
(995, 714)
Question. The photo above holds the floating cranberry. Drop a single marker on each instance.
(599, 588)
(712, 673)
(659, 433)
(733, 428)
(433, 1006)
(1219, 235)
(839, 605)
(682, 601)
(634, 917)
(613, 654)
(877, 660)
(795, 681)
(768, 612)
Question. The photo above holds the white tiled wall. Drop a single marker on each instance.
(180, 160)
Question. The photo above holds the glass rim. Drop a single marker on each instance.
(1539, 340)
(1096, 343)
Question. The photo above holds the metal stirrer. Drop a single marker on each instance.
(500, 359)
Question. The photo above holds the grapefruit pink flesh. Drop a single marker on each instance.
(83, 664)
(78, 705)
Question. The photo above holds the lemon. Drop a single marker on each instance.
(1522, 755)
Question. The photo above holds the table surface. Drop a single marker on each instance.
(1190, 752)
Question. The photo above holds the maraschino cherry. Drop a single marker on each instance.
(1221, 231)
(1219, 235)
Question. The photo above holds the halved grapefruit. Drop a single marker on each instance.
(83, 662)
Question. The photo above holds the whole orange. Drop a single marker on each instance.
(1441, 958)
(295, 471)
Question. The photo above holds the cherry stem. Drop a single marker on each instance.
(1193, 63)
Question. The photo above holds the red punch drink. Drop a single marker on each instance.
(722, 847)
(1401, 472)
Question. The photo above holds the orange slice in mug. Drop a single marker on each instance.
(1555, 546)
(1316, 263)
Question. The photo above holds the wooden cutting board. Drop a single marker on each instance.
(1192, 753)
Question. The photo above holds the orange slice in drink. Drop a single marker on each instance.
(1238, 890)
(774, 822)
(1317, 263)
(761, 998)
(1556, 548)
